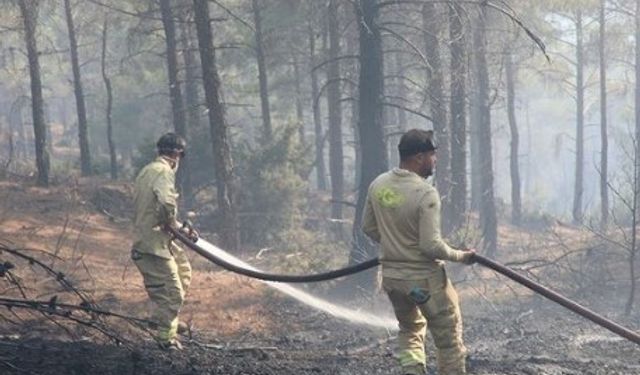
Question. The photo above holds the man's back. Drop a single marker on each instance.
(155, 205)
(403, 211)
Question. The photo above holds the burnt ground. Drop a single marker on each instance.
(242, 327)
(532, 337)
(540, 340)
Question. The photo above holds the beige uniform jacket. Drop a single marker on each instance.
(155, 199)
(402, 213)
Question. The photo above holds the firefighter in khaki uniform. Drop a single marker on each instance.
(402, 213)
(164, 266)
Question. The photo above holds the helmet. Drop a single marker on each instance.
(170, 143)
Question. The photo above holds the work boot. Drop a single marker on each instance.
(171, 345)
(184, 328)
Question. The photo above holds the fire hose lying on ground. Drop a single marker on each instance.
(505, 271)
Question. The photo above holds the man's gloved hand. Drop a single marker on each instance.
(188, 230)
(469, 256)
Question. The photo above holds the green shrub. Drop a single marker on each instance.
(272, 194)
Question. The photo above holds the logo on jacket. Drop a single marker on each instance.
(389, 198)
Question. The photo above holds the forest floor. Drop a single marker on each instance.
(241, 326)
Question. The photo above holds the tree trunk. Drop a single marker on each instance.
(636, 169)
(458, 117)
(516, 201)
(17, 125)
(12, 122)
(634, 209)
(578, 186)
(218, 126)
(262, 72)
(437, 102)
(402, 92)
(317, 115)
(604, 140)
(336, 159)
(299, 110)
(488, 216)
(475, 119)
(23, 148)
(191, 93)
(399, 123)
(107, 84)
(474, 126)
(29, 11)
(83, 136)
(175, 95)
(370, 127)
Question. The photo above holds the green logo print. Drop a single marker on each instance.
(389, 198)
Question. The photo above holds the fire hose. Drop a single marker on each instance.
(486, 262)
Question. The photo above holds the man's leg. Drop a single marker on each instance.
(445, 324)
(162, 282)
(184, 267)
(412, 326)
(184, 272)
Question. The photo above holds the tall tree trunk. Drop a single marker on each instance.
(83, 136)
(350, 69)
(336, 159)
(402, 92)
(634, 207)
(191, 93)
(12, 122)
(399, 122)
(458, 117)
(636, 169)
(107, 84)
(516, 201)
(370, 127)
(474, 126)
(64, 115)
(17, 125)
(579, 177)
(432, 25)
(175, 95)
(218, 125)
(262, 72)
(299, 111)
(604, 140)
(488, 216)
(23, 148)
(29, 12)
(317, 114)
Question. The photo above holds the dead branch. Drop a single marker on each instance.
(59, 276)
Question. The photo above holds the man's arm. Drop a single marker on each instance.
(369, 224)
(431, 242)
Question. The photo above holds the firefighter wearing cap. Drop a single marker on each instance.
(402, 213)
(164, 266)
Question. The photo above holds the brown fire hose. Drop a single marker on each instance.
(555, 297)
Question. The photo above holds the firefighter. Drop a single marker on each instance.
(402, 213)
(165, 269)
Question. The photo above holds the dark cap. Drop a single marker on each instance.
(171, 142)
(416, 141)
